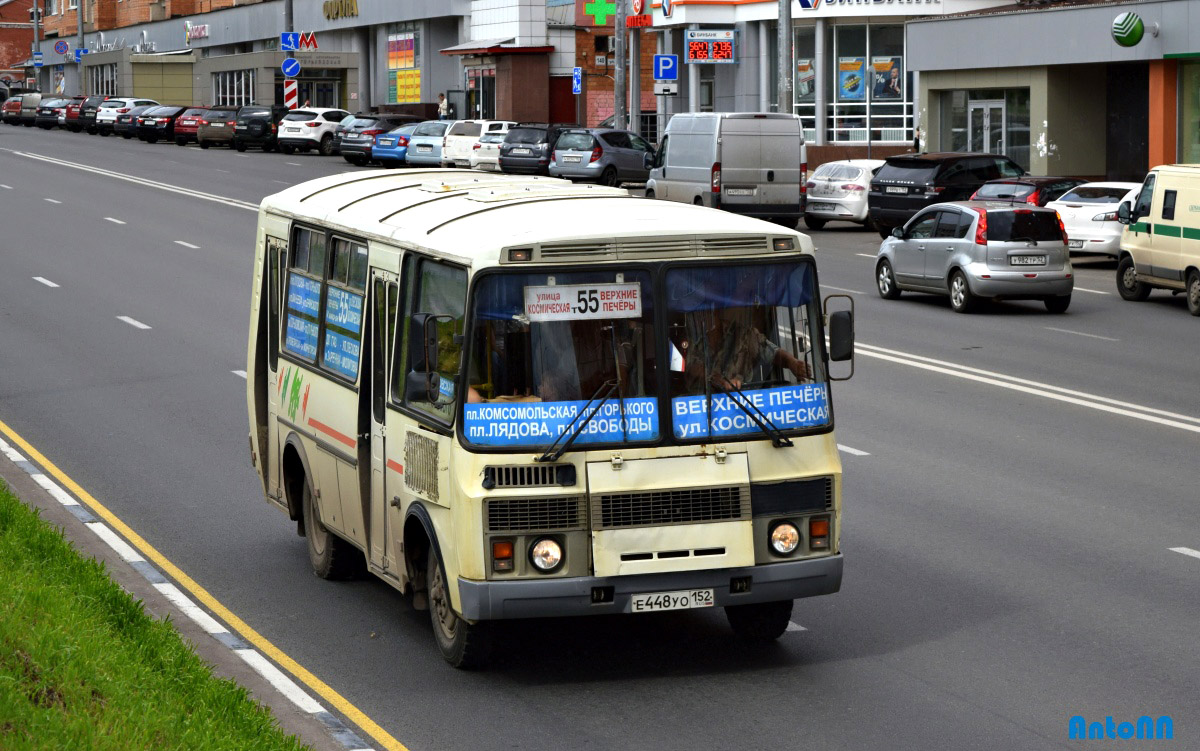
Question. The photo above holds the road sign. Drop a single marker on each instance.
(289, 41)
(291, 93)
(666, 67)
(666, 89)
(37, 59)
(577, 80)
(308, 41)
(290, 67)
(80, 52)
(61, 46)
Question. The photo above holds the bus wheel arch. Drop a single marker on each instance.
(419, 540)
(295, 475)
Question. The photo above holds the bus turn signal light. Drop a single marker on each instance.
(818, 534)
(502, 555)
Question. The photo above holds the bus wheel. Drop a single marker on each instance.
(760, 622)
(463, 645)
(331, 556)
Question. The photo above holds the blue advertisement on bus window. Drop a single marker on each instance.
(540, 423)
(787, 407)
(303, 306)
(343, 324)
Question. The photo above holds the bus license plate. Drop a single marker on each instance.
(1027, 260)
(651, 601)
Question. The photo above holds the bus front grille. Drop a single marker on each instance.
(529, 514)
(660, 507)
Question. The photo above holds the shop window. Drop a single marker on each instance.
(871, 91)
(233, 87)
(1189, 112)
(102, 79)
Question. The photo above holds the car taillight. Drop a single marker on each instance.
(804, 183)
(312, 125)
(716, 177)
(1033, 198)
(1061, 227)
(443, 143)
(1109, 217)
(372, 132)
(123, 110)
(273, 127)
(597, 152)
(809, 184)
(204, 122)
(402, 140)
(231, 122)
(981, 227)
(853, 187)
(933, 190)
(163, 120)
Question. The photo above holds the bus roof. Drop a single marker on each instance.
(474, 216)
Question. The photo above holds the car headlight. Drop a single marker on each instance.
(546, 554)
(785, 538)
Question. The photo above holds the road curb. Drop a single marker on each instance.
(225, 652)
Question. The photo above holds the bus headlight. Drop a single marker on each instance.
(785, 538)
(546, 554)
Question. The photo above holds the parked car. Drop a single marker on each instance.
(358, 137)
(158, 123)
(111, 108)
(1089, 212)
(425, 144)
(10, 111)
(87, 113)
(609, 157)
(906, 184)
(750, 163)
(341, 129)
(391, 148)
(838, 191)
(485, 154)
(29, 107)
(217, 127)
(528, 147)
(1160, 248)
(187, 124)
(462, 136)
(71, 118)
(1036, 191)
(974, 249)
(309, 128)
(48, 112)
(126, 123)
(258, 125)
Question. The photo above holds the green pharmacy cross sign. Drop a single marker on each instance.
(1128, 29)
(600, 10)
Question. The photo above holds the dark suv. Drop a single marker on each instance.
(87, 114)
(906, 184)
(258, 125)
(529, 147)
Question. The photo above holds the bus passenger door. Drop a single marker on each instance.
(382, 480)
(271, 458)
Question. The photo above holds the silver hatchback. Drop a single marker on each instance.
(974, 249)
(609, 157)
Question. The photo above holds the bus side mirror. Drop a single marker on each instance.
(1123, 212)
(423, 382)
(841, 336)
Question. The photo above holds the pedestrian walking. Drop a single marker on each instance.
(443, 107)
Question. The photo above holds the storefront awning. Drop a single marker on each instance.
(502, 46)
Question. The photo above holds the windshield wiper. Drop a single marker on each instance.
(778, 439)
(552, 454)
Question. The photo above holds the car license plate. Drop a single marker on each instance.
(739, 191)
(523, 152)
(293, 130)
(571, 159)
(218, 125)
(385, 142)
(822, 207)
(424, 148)
(1027, 260)
(1075, 244)
(648, 602)
(894, 189)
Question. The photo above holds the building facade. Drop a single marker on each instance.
(16, 40)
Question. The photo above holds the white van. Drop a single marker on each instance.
(1160, 247)
(751, 163)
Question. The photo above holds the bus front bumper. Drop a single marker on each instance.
(540, 598)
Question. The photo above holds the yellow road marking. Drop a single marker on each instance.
(355, 715)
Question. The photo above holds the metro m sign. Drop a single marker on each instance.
(308, 41)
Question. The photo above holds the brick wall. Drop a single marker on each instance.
(15, 43)
(110, 14)
(598, 87)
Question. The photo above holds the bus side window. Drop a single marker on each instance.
(440, 290)
(305, 273)
(276, 250)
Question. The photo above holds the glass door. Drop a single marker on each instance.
(985, 126)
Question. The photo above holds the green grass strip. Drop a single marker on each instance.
(82, 666)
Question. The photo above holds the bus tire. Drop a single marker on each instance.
(464, 645)
(761, 621)
(331, 556)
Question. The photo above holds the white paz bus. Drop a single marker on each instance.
(518, 397)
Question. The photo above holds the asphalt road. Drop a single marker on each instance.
(1007, 532)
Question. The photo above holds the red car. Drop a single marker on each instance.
(188, 123)
(73, 113)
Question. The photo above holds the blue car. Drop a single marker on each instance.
(391, 148)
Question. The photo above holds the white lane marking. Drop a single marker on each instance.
(114, 221)
(793, 626)
(294, 164)
(239, 373)
(187, 245)
(6, 187)
(852, 452)
(141, 181)
(52, 200)
(133, 322)
(1187, 551)
(281, 182)
(45, 281)
(247, 156)
(280, 681)
(189, 608)
(1057, 393)
(1080, 333)
(58, 493)
(1093, 291)
(224, 170)
(866, 255)
(841, 289)
(127, 553)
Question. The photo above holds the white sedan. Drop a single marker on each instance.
(485, 154)
(838, 190)
(1089, 212)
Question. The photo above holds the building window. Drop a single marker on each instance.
(51, 8)
(404, 63)
(1189, 113)
(72, 4)
(233, 87)
(103, 79)
(993, 121)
